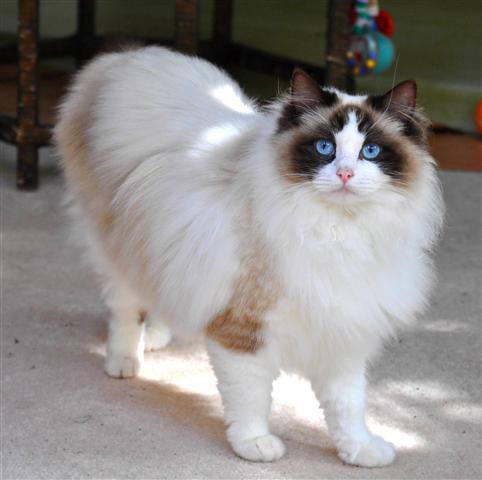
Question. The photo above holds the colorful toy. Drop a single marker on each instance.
(371, 50)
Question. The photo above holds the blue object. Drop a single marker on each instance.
(386, 52)
(325, 147)
(370, 52)
(371, 151)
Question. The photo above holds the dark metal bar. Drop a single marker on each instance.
(187, 26)
(27, 96)
(338, 38)
(222, 29)
(85, 30)
(9, 132)
(8, 129)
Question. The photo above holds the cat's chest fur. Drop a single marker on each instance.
(346, 284)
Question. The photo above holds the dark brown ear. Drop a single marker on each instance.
(305, 90)
(305, 94)
(401, 103)
(400, 98)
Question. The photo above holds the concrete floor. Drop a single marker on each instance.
(62, 417)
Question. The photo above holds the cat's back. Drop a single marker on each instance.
(167, 92)
(148, 101)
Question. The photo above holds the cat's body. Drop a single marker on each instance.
(214, 216)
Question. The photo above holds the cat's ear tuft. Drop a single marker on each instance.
(303, 87)
(401, 103)
(305, 94)
(405, 94)
(306, 90)
(401, 97)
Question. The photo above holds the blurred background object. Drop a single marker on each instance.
(258, 42)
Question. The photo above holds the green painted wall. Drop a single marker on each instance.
(438, 42)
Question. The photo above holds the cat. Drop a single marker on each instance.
(295, 237)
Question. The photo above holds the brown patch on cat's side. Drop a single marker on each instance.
(240, 326)
(236, 331)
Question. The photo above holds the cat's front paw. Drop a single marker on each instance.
(121, 366)
(156, 338)
(266, 448)
(375, 452)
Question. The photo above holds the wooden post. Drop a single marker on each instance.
(222, 29)
(338, 38)
(27, 95)
(85, 30)
(187, 26)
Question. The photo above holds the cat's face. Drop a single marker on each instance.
(350, 148)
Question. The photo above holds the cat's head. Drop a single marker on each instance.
(350, 148)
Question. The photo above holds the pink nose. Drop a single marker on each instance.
(345, 174)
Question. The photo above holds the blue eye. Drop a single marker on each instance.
(370, 151)
(325, 147)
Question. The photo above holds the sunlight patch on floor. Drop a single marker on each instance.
(401, 439)
(97, 349)
(443, 325)
(466, 412)
(422, 390)
(190, 371)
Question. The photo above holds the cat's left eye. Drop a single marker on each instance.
(371, 150)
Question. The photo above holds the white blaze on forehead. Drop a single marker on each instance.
(349, 142)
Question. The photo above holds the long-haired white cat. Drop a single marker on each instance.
(296, 237)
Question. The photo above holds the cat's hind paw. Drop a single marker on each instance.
(375, 452)
(119, 366)
(266, 448)
(156, 338)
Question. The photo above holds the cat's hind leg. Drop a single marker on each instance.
(157, 333)
(245, 383)
(125, 343)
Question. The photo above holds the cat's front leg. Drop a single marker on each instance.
(245, 383)
(343, 398)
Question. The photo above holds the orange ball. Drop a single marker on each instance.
(478, 117)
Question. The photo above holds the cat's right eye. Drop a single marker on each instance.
(325, 147)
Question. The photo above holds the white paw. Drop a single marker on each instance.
(156, 338)
(266, 448)
(375, 452)
(119, 366)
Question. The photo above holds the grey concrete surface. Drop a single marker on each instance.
(62, 417)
